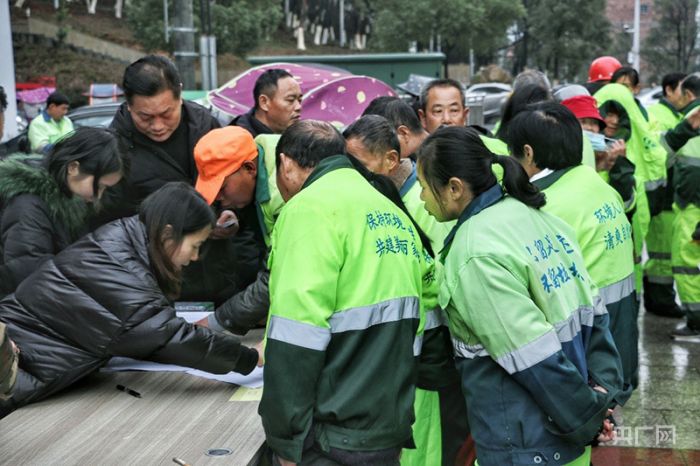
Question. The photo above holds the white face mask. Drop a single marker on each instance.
(597, 140)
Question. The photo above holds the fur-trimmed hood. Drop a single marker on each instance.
(22, 175)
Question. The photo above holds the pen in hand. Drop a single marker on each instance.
(131, 392)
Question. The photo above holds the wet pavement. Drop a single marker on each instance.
(660, 424)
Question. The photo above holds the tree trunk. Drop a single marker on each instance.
(91, 6)
(118, 5)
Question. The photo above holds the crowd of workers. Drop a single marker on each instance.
(422, 282)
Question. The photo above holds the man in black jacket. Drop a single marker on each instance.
(277, 97)
(160, 131)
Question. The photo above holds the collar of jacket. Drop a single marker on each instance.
(18, 177)
(327, 165)
(663, 101)
(690, 107)
(262, 189)
(258, 126)
(547, 181)
(195, 118)
(410, 180)
(481, 202)
(47, 117)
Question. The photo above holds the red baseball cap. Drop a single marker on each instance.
(584, 106)
(220, 153)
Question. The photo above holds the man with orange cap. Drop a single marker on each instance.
(239, 173)
(600, 73)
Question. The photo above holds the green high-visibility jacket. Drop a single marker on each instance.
(664, 116)
(44, 131)
(347, 271)
(643, 148)
(683, 144)
(268, 200)
(602, 229)
(605, 237)
(529, 331)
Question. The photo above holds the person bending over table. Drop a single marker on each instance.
(111, 294)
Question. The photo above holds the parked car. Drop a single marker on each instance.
(94, 115)
(492, 97)
(650, 96)
(91, 115)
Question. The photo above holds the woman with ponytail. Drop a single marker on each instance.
(520, 305)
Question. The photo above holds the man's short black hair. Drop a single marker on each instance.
(56, 98)
(307, 142)
(671, 80)
(692, 84)
(266, 84)
(444, 82)
(151, 75)
(396, 111)
(552, 131)
(3, 100)
(376, 134)
(628, 71)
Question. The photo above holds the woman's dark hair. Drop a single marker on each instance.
(99, 152)
(396, 111)
(671, 80)
(613, 107)
(552, 131)
(692, 84)
(307, 142)
(458, 151)
(171, 213)
(3, 100)
(628, 71)
(151, 75)
(518, 101)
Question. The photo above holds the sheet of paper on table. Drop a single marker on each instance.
(118, 364)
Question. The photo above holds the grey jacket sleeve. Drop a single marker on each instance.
(244, 310)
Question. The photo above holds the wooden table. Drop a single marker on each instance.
(93, 423)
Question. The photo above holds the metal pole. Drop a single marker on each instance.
(166, 26)
(213, 73)
(342, 23)
(204, 61)
(635, 37)
(287, 16)
(185, 55)
(471, 65)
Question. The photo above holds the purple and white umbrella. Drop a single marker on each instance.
(330, 94)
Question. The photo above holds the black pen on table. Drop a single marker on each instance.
(131, 392)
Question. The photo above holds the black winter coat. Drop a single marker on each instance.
(97, 299)
(227, 266)
(249, 122)
(150, 166)
(37, 219)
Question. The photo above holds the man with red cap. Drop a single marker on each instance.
(239, 173)
(600, 73)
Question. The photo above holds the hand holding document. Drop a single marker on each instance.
(252, 380)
